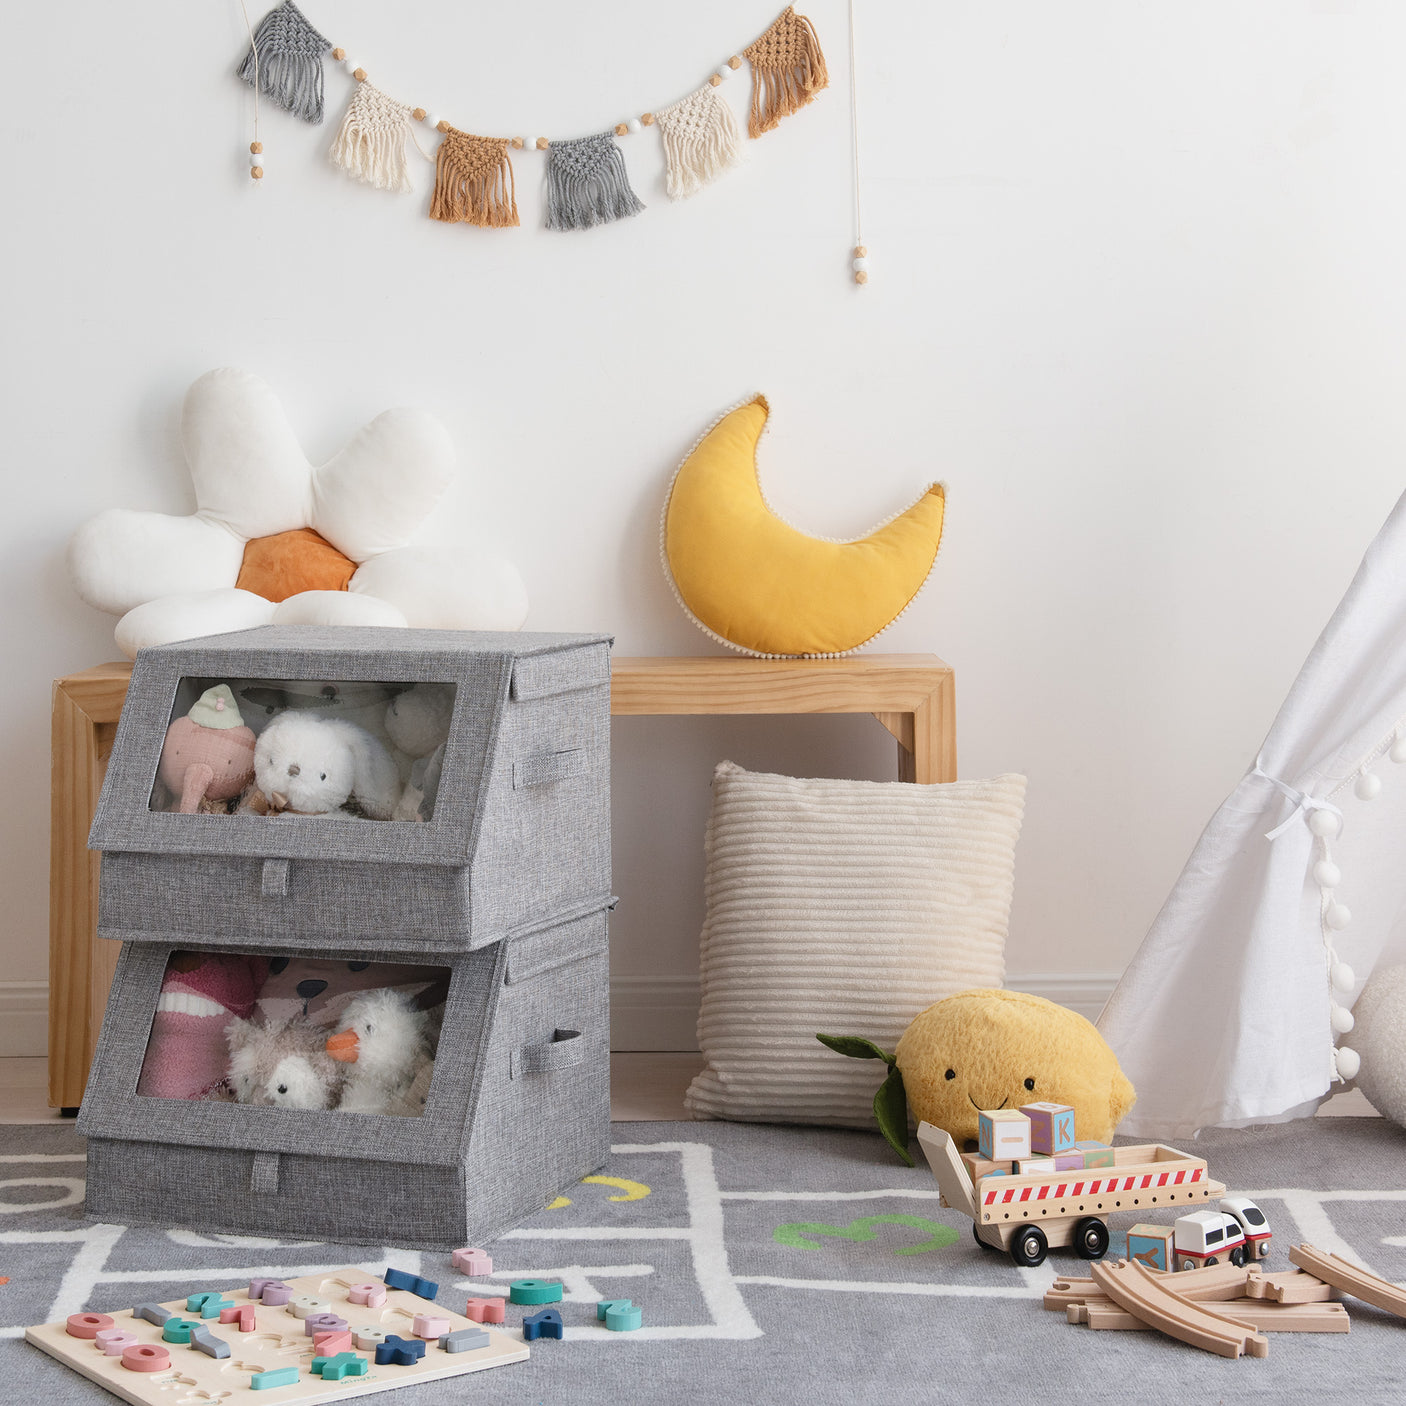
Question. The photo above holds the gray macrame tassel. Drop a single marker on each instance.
(587, 183)
(289, 61)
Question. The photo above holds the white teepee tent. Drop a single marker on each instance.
(1229, 1012)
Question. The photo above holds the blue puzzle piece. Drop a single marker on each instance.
(399, 1279)
(344, 1364)
(208, 1304)
(279, 1376)
(399, 1352)
(153, 1313)
(178, 1330)
(465, 1339)
(623, 1317)
(546, 1324)
(203, 1340)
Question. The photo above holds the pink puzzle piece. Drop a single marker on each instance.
(112, 1342)
(485, 1310)
(88, 1325)
(430, 1325)
(330, 1344)
(372, 1295)
(474, 1262)
(243, 1314)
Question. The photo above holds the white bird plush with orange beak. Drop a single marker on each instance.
(384, 1042)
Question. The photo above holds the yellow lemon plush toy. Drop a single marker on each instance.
(987, 1049)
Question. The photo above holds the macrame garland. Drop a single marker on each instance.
(370, 144)
(788, 70)
(474, 181)
(288, 63)
(587, 183)
(701, 141)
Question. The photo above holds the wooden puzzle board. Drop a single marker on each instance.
(195, 1379)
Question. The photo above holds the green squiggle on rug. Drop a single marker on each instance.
(795, 1234)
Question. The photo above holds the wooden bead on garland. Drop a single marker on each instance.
(621, 128)
(634, 124)
(360, 75)
(647, 119)
(256, 163)
(419, 114)
(339, 54)
(542, 143)
(860, 264)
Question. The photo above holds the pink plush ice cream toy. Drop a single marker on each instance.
(208, 755)
(187, 1055)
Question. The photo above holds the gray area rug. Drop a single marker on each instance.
(764, 1276)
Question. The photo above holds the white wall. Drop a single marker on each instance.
(1136, 297)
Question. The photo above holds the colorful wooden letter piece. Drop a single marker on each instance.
(399, 1352)
(470, 1261)
(619, 1315)
(465, 1339)
(146, 1357)
(243, 1314)
(399, 1279)
(208, 1304)
(302, 1305)
(88, 1325)
(257, 1286)
(203, 1340)
(324, 1322)
(344, 1364)
(430, 1325)
(372, 1295)
(276, 1294)
(534, 1291)
(484, 1310)
(330, 1344)
(279, 1376)
(178, 1330)
(113, 1342)
(367, 1338)
(153, 1313)
(546, 1324)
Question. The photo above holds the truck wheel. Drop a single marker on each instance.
(976, 1235)
(1237, 1256)
(1210, 1260)
(1090, 1239)
(1029, 1247)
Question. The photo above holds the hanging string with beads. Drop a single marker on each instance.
(859, 263)
(256, 147)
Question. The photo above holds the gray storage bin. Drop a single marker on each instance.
(519, 1108)
(506, 885)
(520, 830)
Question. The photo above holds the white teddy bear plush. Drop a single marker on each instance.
(311, 764)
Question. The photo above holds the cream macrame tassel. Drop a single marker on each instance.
(371, 142)
(701, 141)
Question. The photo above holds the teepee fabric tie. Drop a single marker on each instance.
(1304, 804)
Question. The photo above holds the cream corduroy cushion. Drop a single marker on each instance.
(845, 907)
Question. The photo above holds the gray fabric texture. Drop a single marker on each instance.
(741, 1302)
(522, 1082)
(497, 855)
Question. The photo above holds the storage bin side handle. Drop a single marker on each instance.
(547, 767)
(566, 1049)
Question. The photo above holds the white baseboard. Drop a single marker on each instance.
(661, 1012)
(24, 1018)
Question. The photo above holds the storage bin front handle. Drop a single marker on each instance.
(547, 767)
(566, 1049)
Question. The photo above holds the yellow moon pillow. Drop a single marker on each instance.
(752, 581)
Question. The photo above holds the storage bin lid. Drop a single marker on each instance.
(488, 672)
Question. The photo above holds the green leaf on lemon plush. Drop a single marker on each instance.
(891, 1109)
(797, 1235)
(855, 1047)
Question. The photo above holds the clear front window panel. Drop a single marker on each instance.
(304, 749)
(296, 1032)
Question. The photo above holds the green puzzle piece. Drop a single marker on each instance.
(178, 1330)
(344, 1364)
(795, 1234)
(208, 1304)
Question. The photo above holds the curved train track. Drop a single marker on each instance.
(1147, 1297)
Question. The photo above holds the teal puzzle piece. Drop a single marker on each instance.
(344, 1364)
(178, 1330)
(208, 1304)
(279, 1376)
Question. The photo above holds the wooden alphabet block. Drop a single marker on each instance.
(1003, 1134)
(1051, 1126)
(1152, 1246)
(1096, 1154)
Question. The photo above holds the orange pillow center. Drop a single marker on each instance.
(289, 562)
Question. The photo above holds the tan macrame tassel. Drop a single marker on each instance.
(371, 142)
(701, 141)
(788, 70)
(474, 181)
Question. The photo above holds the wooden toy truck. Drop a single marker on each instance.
(1028, 1215)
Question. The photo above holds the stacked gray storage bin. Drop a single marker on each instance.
(507, 886)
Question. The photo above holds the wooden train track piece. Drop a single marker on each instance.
(1151, 1298)
(1209, 1283)
(1343, 1274)
(1259, 1314)
(1291, 1286)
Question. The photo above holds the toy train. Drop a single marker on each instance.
(1238, 1231)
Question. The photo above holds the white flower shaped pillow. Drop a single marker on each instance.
(275, 539)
